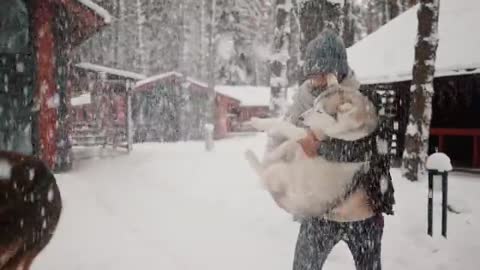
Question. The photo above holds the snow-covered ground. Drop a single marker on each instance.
(177, 207)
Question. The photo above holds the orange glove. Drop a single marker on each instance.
(310, 145)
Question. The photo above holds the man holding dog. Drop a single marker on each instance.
(358, 219)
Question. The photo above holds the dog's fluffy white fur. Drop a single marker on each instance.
(305, 186)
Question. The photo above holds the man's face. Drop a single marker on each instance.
(318, 83)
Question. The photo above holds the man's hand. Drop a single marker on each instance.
(310, 145)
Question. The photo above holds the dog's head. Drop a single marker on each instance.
(341, 113)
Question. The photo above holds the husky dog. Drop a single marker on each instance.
(305, 186)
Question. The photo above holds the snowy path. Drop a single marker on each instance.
(174, 206)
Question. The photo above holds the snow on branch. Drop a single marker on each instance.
(302, 3)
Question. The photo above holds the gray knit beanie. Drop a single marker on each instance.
(326, 54)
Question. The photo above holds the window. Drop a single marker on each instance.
(14, 22)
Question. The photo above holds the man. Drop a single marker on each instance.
(358, 219)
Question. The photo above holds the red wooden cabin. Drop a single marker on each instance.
(100, 112)
(160, 112)
(456, 99)
(227, 115)
(36, 40)
(254, 101)
(171, 107)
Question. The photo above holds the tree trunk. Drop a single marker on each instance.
(182, 39)
(211, 108)
(141, 42)
(417, 134)
(394, 8)
(295, 64)
(201, 71)
(386, 11)
(280, 58)
(116, 31)
(348, 33)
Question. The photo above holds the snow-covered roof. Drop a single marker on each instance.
(440, 162)
(107, 18)
(247, 95)
(166, 75)
(387, 55)
(83, 99)
(113, 71)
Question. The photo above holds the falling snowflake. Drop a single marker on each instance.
(31, 174)
(20, 67)
(382, 146)
(5, 169)
(50, 195)
(383, 185)
(42, 211)
(54, 101)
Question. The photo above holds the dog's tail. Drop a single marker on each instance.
(254, 161)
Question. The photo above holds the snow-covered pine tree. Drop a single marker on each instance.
(280, 57)
(394, 8)
(295, 62)
(406, 4)
(118, 7)
(348, 31)
(194, 29)
(315, 15)
(253, 31)
(359, 22)
(211, 11)
(125, 22)
(141, 52)
(235, 29)
(418, 128)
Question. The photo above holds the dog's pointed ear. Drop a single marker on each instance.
(332, 79)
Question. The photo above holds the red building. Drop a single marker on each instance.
(36, 39)
(254, 101)
(455, 128)
(100, 105)
(160, 111)
(227, 115)
(171, 107)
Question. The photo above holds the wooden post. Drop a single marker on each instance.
(45, 88)
(430, 203)
(128, 118)
(209, 129)
(476, 151)
(102, 111)
(431, 174)
(444, 203)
